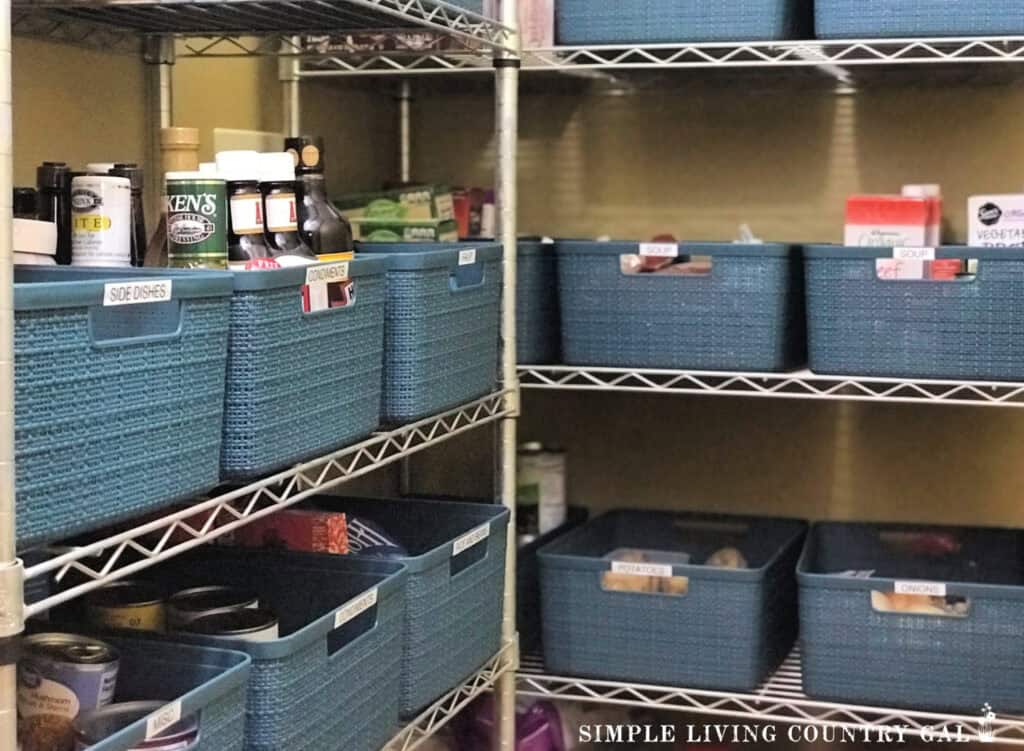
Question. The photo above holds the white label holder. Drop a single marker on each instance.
(163, 718)
(357, 606)
(467, 257)
(930, 589)
(660, 250)
(659, 570)
(137, 293)
(470, 539)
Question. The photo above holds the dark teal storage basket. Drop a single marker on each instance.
(867, 19)
(859, 324)
(746, 315)
(118, 409)
(853, 653)
(728, 632)
(324, 685)
(198, 680)
(454, 604)
(647, 21)
(442, 326)
(538, 326)
(300, 384)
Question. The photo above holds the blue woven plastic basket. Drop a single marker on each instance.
(538, 328)
(192, 680)
(853, 652)
(453, 615)
(332, 680)
(968, 328)
(118, 408)
(300, 384)
(747, 314)
(647, 21)
(442, 327)
(865, 19)
(728, 631)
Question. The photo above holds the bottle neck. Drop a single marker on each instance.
(313, 185)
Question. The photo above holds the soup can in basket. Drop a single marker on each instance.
(247, 624)
(137, 606)
(189, 604)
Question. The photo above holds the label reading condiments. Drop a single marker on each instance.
(932, 589)
(247, 214)
(162, 719)
(281, 214)
(642, 569)
(360, 605)
(197, 224)
(137, 293)
(327, 272)
(470, 539)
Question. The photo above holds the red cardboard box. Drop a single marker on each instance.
(301, 530)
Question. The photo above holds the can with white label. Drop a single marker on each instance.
(101, 221)
(540, 490)
(59, 676)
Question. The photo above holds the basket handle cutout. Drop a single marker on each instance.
(353, 619)
(467, 276)
(664, 264)
(128, 325)
(911, 268)
(934, 606)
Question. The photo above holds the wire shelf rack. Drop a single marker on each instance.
(441, 712)
(92, 564)
(781, 700)
(798, 385)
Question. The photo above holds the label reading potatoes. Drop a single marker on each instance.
(467, 257)
(351, 609)
(470, 539)
(659, 570)
(659, 250)
(137, 293)
(162, 719)
(932, 589)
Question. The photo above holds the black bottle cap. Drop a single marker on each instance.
(52, 175)
(26, 202)
(308, 153)
(132, 171)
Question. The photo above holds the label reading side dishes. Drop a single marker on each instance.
(932, 589)
(659, 250)
(467, 257)
(470, 539)
(162, 719)
(359, 605)
(327, 272)
(660, 570)
(137, 293)
(914, 254)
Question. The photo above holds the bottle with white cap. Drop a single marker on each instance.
(280, 215)
(241, 170)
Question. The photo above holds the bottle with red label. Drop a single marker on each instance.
(280, 215)
(241, 171)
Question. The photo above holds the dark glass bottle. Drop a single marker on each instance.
(53, 180)
(322, 226)
(26, 203)
(246, 242)
(280, 214)
(134, 173)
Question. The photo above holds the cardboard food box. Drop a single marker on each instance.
(415, 203)
(297, 529)
(882, 221)
(996, 221)
(402, 230)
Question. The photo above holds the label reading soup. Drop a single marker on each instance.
(659, 250)
(932, 589)
(351, 610)
(137, 293)
(470, 539)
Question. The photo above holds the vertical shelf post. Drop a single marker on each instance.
(507, 64)
(11, 580)
(405, 131)
(288, 72)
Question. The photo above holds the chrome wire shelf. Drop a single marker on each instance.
(797, 385)
(90, 565)
(221, 27)
(780, 699)
(437, 715)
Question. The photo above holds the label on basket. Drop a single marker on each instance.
(323, 273)
(137, 293)
(162, 719)
(467, 257)
(914, 254)
(659, 570)
(359, 605)
(470, 539)
(932, 589)
(659, 250)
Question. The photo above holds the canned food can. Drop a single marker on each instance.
(540, 489)
(138, 606)
(255, 625)
(197, 221)
(101, 221)
(60, 676)
(189, 604)
(93, 727)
